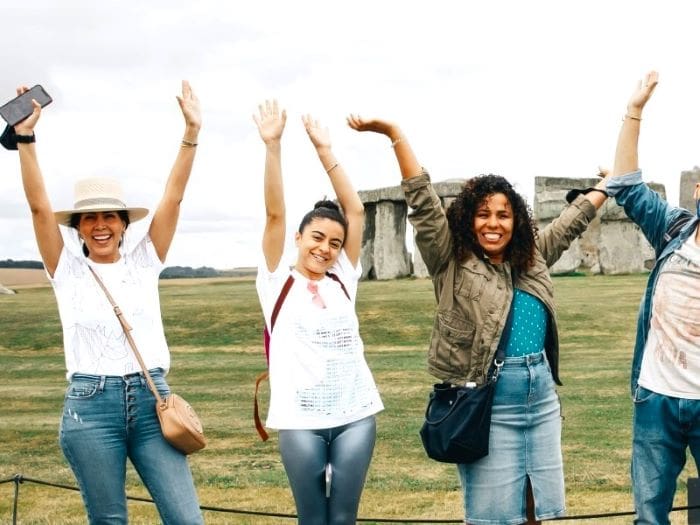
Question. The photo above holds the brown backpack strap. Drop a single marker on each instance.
(264, 375)
(337, 279)
(256, 415)
(280, 300)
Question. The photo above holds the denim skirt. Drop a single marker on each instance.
(524, 443)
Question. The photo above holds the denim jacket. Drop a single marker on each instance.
(474, 295)
(653, 215)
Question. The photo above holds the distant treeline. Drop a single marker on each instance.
(34, 265)
(171, 272)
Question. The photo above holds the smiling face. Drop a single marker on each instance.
(102, 232)
(319, 245)
(493, 226)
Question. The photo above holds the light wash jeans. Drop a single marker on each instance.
(109, 418)
(664, 427)
(305, 454)
(524, 443)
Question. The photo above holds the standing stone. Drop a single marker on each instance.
(384, 254)
(612, 244)
(688, 181)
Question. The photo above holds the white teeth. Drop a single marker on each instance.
(492, 236)
(100, 237)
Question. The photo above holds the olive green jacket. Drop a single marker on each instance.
(474, 295)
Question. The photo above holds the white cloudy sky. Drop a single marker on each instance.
(521, 89)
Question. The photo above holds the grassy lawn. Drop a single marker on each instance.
(214, 330)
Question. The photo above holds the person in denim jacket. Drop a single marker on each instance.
(483, 254)
(665, 377)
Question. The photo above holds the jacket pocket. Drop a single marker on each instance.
(451, 347)
(470, 283)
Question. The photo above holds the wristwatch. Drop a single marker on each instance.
(25, 139)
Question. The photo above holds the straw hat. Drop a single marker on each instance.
(98, 194)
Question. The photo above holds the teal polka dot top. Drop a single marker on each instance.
(529, 325)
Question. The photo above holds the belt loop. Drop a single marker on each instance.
(101, 387)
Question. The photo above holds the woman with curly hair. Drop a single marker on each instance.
(483, 254)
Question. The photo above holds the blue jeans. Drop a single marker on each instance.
(109, 418)
(664, 427)
(524, 444)
(305, 454)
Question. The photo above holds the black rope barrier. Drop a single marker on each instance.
(18, 479)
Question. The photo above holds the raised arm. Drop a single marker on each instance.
(165, 219)
(408, 163)
(626, 154)
(270, 122)
(432, 233)
(48, 236)
(348, 198)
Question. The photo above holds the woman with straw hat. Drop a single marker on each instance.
(109, 412)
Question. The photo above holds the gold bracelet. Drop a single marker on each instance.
(188, 144)
(334, 166)
(627, 115)
(395, 142)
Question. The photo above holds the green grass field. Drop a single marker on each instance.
(214, 330)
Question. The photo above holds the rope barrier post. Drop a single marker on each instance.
(17, 481)
(693, 501)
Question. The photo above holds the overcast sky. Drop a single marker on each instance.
(521, 89)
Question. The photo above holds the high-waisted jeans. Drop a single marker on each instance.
(524, 444)
(109, 418)
(306, 454)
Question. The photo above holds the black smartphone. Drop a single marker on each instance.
(19, 108)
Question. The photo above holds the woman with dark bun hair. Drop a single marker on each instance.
(484, 254)
(322, 395)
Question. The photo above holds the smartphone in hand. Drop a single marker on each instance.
(19, 108)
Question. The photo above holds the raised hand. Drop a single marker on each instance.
(189, 105)
(270, 121)
(26, 127)
(642, 94)
(320, 137)
(384, 127)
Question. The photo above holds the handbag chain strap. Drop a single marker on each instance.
(127, 333)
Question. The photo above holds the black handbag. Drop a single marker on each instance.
(458, 418)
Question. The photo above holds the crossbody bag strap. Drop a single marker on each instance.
(500, 356)
(127, 333)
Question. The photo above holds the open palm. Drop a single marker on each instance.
(270, 121)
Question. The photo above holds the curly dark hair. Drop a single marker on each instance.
(325, 209)
(520, 251)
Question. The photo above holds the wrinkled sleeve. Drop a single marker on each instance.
(427, 216)
(558, 235)
(643, 206)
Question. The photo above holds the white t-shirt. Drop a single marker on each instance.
(318, 374)
(671, 362)
(93, 339)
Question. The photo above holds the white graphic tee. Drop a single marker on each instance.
(93, 339)
(671, 362)
(318, 374)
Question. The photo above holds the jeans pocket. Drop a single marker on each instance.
(642, 395)
(82, 388)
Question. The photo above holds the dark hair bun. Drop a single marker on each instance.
(327, 204)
